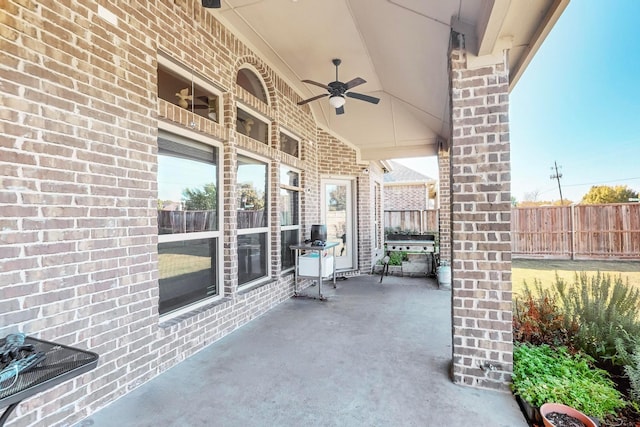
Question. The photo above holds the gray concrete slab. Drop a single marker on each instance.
(372, 355)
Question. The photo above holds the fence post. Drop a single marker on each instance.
(572, 230)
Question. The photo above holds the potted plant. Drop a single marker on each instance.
(559, 415)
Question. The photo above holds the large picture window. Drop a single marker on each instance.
(253, 227)
(188, 222)
(289, 214)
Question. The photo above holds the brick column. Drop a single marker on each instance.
(444, 203)
(480, 221)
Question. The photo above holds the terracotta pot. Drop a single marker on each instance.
(547, 408)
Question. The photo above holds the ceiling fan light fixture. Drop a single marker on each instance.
(337, 101)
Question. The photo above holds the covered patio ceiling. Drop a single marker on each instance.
(398, 46)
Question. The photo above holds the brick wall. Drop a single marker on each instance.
(339, 160)
(405, 197)
(480, 219)
(78, 145)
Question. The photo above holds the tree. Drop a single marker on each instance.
(338, 198)
(250, 198)
(196, 199)
(599, 194)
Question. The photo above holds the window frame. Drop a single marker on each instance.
(179, 135)
(266, 230)
(240, 106)
(171, 66)
(297, 226)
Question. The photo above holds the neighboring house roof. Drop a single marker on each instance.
(400, 173)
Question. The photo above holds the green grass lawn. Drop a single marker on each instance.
(545, 271)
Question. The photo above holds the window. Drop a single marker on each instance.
(194, 95)
(253, 226)
(188, 222)
(249, 81)
(289, 214)
(289, 144)
(252, 126)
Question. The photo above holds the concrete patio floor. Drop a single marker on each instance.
(372, 355)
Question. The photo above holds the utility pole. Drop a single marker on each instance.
(557, 176)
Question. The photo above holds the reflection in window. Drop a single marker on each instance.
(253, 229)
(187, 272)
(289, 214)
(187, 222)
(289, 237)
(187, 188)
(252, 257)
(252, 197)
(248, 80)
(252, 126)
(289, 145)
(336, 195)
(182, 92)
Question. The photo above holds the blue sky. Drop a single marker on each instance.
(578, 104)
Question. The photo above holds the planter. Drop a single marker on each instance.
(549, 408)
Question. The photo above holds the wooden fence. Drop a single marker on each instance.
(417, 221)
(610, 231)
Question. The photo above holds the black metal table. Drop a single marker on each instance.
(61, 364)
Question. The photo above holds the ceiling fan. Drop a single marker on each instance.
(338, 90)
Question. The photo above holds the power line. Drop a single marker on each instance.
(602, 182)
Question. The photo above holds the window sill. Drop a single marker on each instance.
(169, 321)
(253, 286)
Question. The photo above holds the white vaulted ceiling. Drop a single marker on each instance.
(398, 46)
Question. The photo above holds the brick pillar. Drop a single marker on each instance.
(444, 204)
(229, 184)
(480, 221)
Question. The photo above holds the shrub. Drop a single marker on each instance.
(396, 258)
(607, 314)
(544, 374)
(632, 370)
(537, 318)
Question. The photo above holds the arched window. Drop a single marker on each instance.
(248, 80)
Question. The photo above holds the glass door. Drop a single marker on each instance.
(337, 214)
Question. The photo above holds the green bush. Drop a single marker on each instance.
(632, 370)
(607, 314)
(544, 374)
(396, 258)
(538, 319)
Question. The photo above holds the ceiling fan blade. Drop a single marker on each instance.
(340, 110)
(355, 82)
(323, 86)
(362, 97)
(313, 99)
